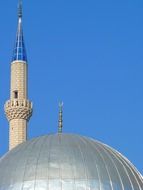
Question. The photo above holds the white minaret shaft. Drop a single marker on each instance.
(18, 109)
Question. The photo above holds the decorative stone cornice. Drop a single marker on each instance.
(18, 109)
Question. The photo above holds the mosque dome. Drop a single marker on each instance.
(67, 162)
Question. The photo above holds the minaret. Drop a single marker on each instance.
(18, 109)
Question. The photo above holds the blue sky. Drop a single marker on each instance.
(89, 54)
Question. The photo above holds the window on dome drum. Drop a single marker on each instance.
(15, 94)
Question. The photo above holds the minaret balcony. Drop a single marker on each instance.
(18, 109)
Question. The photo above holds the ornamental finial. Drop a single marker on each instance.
(60, 123)
(20, 9)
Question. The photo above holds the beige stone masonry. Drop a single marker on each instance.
(19, 80)
(18, 109)
(17, 132)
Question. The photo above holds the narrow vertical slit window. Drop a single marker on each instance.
(15, 94)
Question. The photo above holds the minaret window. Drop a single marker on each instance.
(15, 94)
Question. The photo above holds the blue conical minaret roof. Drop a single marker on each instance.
(19, 53)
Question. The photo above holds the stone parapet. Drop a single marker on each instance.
(18, 109)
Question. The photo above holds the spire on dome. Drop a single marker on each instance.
(19, 53)
(60, 123)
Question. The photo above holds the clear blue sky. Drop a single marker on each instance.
(88, 54)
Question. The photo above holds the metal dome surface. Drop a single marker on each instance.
(67, 162)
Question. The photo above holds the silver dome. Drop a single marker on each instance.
(67, 162)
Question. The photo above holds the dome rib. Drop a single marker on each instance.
(49, 144)
(133, 169)
(72, 160)
(122, 185)
(118, 158)
(38, 158)
(125, 170)
(31, 146)
(94, 161)
(126, 162)
(99, 179)
(102, 158)
(83, 159)
(19, 161)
